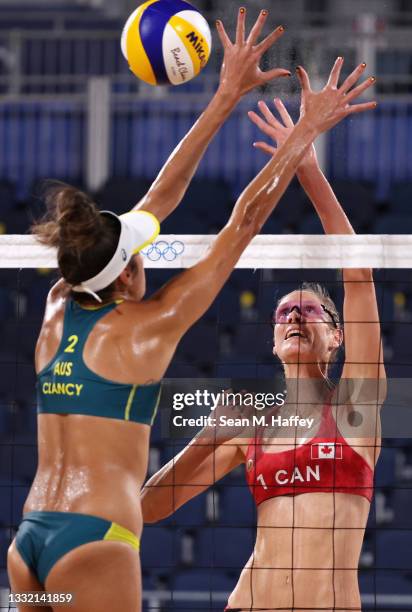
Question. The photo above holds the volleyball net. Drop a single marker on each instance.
(193, 559)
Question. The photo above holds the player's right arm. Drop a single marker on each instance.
(185, 299)
(363, 342)
(240, 74)
(198, 466)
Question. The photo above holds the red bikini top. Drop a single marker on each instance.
(325, 464)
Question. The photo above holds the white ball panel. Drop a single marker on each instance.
(178, 63)
(199, 22)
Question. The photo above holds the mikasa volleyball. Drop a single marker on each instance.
(166, 42)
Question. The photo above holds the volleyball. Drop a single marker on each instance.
(166, 42)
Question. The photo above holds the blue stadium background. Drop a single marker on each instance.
(48, 58)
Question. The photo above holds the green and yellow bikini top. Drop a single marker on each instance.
(67, 386)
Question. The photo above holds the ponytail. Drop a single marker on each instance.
(85, 240)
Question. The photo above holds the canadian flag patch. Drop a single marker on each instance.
(326, 450)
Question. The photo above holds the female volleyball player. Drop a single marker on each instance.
(101, 351)
(96, 363)
(312, 485)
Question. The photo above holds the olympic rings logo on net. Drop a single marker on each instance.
(169, 251)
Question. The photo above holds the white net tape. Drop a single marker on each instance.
(265, 251)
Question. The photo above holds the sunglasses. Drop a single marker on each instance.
(307, 308)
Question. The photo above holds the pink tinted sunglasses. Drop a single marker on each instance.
(306, 308)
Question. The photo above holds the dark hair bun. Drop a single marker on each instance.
(78, 219)
(85, 240)
(72, 220)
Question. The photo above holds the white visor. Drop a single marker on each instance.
(138, 228)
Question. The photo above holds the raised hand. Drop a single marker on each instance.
(240, 70)
(278, 131)
(328, 107)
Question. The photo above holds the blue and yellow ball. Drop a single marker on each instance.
(166, 42)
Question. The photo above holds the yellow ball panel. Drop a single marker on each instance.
(138, 61)
(195, 44)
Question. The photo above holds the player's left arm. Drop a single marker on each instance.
(240, 74)
(362, 330)
(363, 345)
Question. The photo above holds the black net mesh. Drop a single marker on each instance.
(193, 559)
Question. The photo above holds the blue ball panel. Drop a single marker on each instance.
(173, 6)
(152, 25)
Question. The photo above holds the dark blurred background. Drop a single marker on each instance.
(70, 109)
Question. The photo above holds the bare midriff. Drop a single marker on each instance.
(306, 554)
(90, 465)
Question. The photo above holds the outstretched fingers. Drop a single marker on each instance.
(224, 38)
(352, 78)
(257, 28)
(275, 74)
(335, 73)
(241, 26)
(261, 124)
(268, 115)
(357, 91)
(263, 146)
(282, 110)
(303, 79)
(360, 108)
(270, 40)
